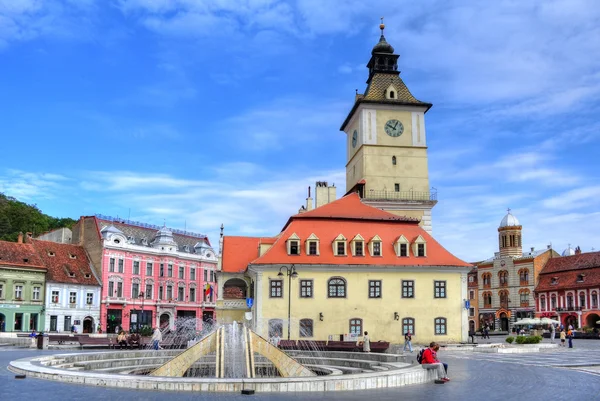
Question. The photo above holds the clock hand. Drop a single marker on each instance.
(395, 126)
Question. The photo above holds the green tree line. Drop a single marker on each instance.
(16, 216)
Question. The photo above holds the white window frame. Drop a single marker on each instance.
(372, 242)
(418, 241)
(293, 239)
(89, 298)
(19, 290)
(398, 246)
(35, 295)
(336, 241)
(356, 240)
(52, 294)
(72, 297)
(309, 240)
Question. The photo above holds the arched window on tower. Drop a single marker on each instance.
(394, 160)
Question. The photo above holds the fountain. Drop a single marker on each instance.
(226, 358)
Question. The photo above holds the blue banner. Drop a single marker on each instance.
(249, 302)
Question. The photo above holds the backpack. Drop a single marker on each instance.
(420, 355)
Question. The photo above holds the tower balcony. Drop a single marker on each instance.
(400, 196)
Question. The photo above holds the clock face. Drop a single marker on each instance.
(394, 128)
(354, 138)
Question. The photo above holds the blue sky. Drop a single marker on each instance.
(199, 113)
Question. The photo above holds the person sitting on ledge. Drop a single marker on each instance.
(430, 358)
(134, 340)
(122, 339)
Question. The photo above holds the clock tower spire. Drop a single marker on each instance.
(386, 145)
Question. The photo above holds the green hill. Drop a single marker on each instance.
(16, 216)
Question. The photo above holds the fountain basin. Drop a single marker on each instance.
(70, 368)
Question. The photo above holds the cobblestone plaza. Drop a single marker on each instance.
(557, 374)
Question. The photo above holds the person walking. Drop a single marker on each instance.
(156, 338)
(563, 337)
(552, 333)
(486, 332)
(366, 343)
(570, 337)
(408, 341)
(430, 358)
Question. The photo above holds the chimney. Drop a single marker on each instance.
(20, 239)
(28, 237)
(578, 250)
(309, 201)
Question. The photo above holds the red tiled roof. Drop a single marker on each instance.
(574, 262)
(19, 255)
(350, 207)
(567, 269)
(328, 230)
(67, 259)
(238, 252)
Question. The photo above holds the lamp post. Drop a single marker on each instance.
(291, 273)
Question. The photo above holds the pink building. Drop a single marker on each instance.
(150, 275)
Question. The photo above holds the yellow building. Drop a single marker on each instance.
(386, 145)
(353, 268)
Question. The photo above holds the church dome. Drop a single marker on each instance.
(568, 252)
(509, 221)
(382, 47)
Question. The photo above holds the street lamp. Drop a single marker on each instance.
(291, 273)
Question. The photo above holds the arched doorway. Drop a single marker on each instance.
(570, 320)
(164, 321)
(591, 319)
(234, 288)
(88, 324)
(503, 322)
(2, 323)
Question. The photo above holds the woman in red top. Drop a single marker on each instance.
(430, 358)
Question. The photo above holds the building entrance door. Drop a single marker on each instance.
(54, 323)
(503, 322)
(2, 323)
(88, 324)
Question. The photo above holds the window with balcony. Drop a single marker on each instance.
(336, 287)
(440, 326)
(553, 302)
(170, 292)
(594, 298)
(181, 294)
(570, 301)
(276, 289)
(374, 288)
(119, 289)
(192, 294)
(408, 289)
(111, 289)
(582, 299)
(160, 292)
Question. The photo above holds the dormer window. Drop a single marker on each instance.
(401, 246)
(71, 274)
(358, 246)
(51, 254)
(339, 246)
(391, 93)
(293, 245)
(580, 278)
(72, 256)
(375, 246)
(87, 275)
(420, 247)
(25, 260)
(144, 241)
(117, 241)
(554, 280)
(312, 245)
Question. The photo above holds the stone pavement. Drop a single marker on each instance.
(489, 377)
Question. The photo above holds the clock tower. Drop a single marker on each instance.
(386, 142)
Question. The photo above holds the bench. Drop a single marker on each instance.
(62, 338)
(342, 346)
(287, 344)
(307, 345)
(380, 346)
(95, 341)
